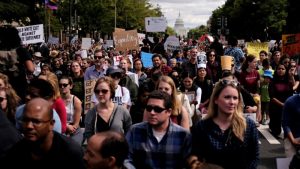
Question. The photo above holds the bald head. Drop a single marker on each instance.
(104, 146)
(39, 106)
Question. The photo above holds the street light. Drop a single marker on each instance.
(115, 14)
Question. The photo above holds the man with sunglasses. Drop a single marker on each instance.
(42, 147)
(158, 142)
(98, 69)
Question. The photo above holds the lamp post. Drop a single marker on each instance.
(115, 14)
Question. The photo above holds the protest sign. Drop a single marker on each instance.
(146, 59)
(172, 43)
(89, 87)
(86, 43)
(291, 44)
(155, 24)
(126, 40)
(119, 30)
(108, 43)
(255, 47)
(31, 34)
(53, 40)
(117, 60)
(141, 38)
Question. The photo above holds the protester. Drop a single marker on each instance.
(158, 142)
(291, 125)
(106, 115)
(41, 147)
(224, 137)
(106, 150)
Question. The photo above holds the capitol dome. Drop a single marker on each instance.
(179, 27)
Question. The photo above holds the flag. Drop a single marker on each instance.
(52, 4)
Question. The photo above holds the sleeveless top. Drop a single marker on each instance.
(70, 110)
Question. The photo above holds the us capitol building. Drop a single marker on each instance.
(179, 27)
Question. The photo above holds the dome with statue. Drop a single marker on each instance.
(179, 27)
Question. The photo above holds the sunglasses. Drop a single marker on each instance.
(103, 91)
(156, 109)
(1, 99)
(63, 85)
(98, 57)
(229, 82)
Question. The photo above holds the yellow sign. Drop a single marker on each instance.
(255, 47)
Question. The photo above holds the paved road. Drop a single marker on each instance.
(271, 150)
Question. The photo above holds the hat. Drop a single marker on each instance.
(53, 53)
(37, 54)
(268, 73)
(201, 65)
(113, 69)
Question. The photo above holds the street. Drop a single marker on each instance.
(271, 149)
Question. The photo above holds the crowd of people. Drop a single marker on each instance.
(179, 113)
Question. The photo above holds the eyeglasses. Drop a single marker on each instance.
(103, 91)
(229, 82)
(35, 122)
(116, 75)
(156, 109)
(1, 99)
(63, 85)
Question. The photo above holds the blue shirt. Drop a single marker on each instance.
(291, 116)
(19, 114)
(92, 73)
(237, 54)
(146, 152)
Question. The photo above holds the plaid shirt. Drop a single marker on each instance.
(146, 152)
(225, 149)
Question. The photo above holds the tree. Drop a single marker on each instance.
(253, 19)
(170, 31)
(197, 32)
(99, 15)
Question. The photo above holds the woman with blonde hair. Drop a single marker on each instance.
(58, 103)
(179, 114)
(224, 137)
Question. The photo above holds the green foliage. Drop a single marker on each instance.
(170, 31)
(197, 32)
(253, 19)
(99, 15)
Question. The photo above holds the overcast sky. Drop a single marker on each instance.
(193, 12)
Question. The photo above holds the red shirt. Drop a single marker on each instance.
(60, 108)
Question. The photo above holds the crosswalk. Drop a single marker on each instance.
(264, 131)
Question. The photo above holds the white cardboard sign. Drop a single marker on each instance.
(155, 24)
(31, 34)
